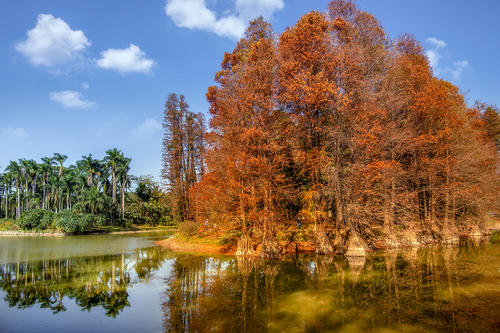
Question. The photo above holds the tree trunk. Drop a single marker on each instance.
(270, 248)
(245, 246)
(7, 203)
(122, 193)
(26, 191)
(341, 228)
(356, 246)
(113, 180)
(390, 237)
(18, 208)
(43, 198)
(33, 187)
(340, 242)
(449, 232)
(323, 245)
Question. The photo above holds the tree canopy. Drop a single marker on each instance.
(334, 130)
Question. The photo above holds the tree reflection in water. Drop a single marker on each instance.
(433, 289)
(89, 281)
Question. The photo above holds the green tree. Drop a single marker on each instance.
(14, 169)
(124, 178)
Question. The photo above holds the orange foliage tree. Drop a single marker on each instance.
(333, 132)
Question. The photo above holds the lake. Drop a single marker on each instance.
(124, 283)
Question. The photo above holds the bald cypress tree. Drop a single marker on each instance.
(183, 148)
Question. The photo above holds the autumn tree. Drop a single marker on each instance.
(183, 153)
(358, 137)
(246, 153)
(491, 117)
(308, 92)
(335, 132)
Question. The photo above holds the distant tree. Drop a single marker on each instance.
(183, 152)
(491, 117)
(14, 170)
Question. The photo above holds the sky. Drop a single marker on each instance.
(79, 77)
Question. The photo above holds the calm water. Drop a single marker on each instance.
(123, 283)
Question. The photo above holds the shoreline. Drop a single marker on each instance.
(204, 246)
(201, 246)
(54, 233)
(34, 233)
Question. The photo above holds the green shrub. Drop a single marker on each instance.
(70, 222)
(8, 225)
(47, 220)
(100, 221)
(86, 221)
(167, 219)
(135, 218)
(36, 219)
(188, 228)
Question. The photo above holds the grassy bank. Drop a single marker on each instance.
(193, 244)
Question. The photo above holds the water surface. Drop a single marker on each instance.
(124, 283)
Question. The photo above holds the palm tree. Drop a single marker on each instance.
(53, 195)
(15, 170)
(25, 164)
(89, 165)
(60, 160)
(69, 182)
(7, 181)
(103, 177)
(90, 186)
(32, 171)
(112, 159)
(3, 186)
(124, 180)
(46, 170)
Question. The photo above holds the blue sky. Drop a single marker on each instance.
(80, 77)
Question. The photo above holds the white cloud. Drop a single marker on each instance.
(52, 42)
(438, 44)
(147, 129)
(191, 14)
(85, 85)
(250, 9)
(194, 14)
(71, 99)
(229, 26)
(14, 133)
(435, 55)
(458, 68)
(131, 59)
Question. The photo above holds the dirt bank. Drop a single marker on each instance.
(179, 243)
(196, 245)
(356, 247)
